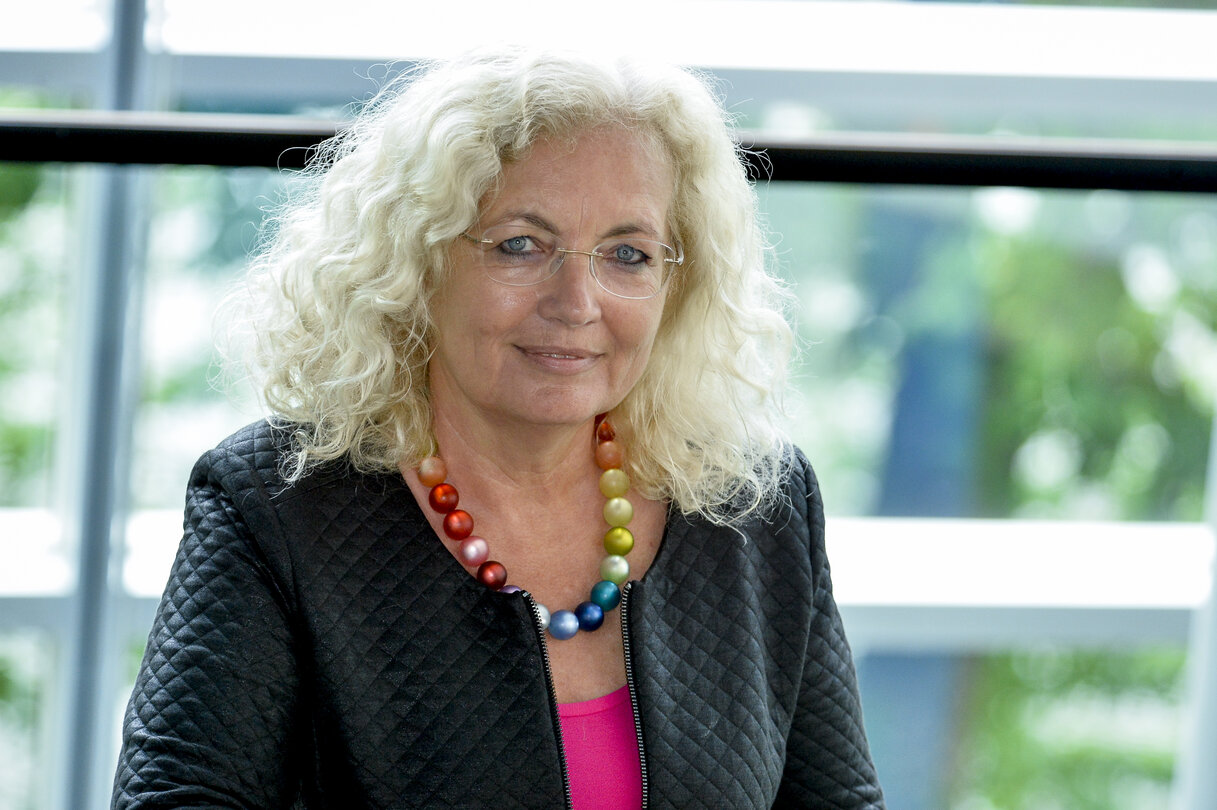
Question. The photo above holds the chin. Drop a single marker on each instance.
(564, 409)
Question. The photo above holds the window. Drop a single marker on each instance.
(971, 358)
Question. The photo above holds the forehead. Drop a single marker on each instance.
(588, 180)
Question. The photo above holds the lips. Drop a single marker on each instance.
(565, 352)
(559, 357)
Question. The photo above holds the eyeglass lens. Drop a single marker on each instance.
(625, 266)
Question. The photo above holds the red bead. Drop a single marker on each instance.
(458, 524)
(443, 497)
(604, 431)
(492, 574)
(609, 455)
(432, 471)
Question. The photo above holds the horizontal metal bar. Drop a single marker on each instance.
(288, 142)
(953, 160)
(180, 139)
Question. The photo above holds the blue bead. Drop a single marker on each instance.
(590, 616)
(606, 594)
(563, 625)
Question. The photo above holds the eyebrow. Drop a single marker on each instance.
(631, 228)
(529, 217)
(532, 218)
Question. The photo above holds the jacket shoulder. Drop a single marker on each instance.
(259, 446)
(798, 496)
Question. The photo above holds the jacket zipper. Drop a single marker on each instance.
(629, 682)
(553, 700)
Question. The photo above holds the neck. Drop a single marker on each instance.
(499, 460)
(524, 450)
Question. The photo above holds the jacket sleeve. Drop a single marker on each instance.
(828, 762)
(209, 721)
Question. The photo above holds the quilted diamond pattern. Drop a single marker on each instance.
(749, 681)
(317, 647)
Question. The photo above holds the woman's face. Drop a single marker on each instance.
(563, 350)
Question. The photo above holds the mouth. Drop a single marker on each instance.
(559, 356)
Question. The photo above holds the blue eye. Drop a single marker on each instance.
(629, 254)
(516, 244)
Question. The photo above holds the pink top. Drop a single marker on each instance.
(602, 752)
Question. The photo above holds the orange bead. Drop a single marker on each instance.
(432, 471)
(604, 431)
(609, 455)
(443, 498)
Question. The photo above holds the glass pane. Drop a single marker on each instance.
(1084, 730)
(56, 25)
(1026, 729)
(25, 675)
(1002, 352)
(35, 248)
(203, 223)
(33, 235)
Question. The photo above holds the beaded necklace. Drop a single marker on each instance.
(474, 552)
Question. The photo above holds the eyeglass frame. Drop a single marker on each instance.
(591, 255)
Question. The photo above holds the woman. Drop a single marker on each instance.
(524, 531)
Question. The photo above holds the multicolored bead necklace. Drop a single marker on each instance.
(618, 540)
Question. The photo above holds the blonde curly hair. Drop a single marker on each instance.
(334, 318)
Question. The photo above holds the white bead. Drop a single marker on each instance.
(615, 568)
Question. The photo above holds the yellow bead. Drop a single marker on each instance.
(618, 511)
(614, 483)
(618, 540)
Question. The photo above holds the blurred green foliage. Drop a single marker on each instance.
(1072, 359)
(24, 680)
(1066, 729)
(29, 298)
(25, 444)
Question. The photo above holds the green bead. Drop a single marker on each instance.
(618, 511)
(614, 483)
(618, 540)
(615, 569)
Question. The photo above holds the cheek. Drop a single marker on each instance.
(638, 333)
(482, 309)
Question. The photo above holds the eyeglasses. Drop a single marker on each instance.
(520, 256)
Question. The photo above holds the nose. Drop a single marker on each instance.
(570, 294)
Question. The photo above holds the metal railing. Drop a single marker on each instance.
(140, 138)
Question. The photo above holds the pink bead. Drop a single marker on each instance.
(473, 551)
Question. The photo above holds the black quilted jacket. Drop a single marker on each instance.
(318, 647)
